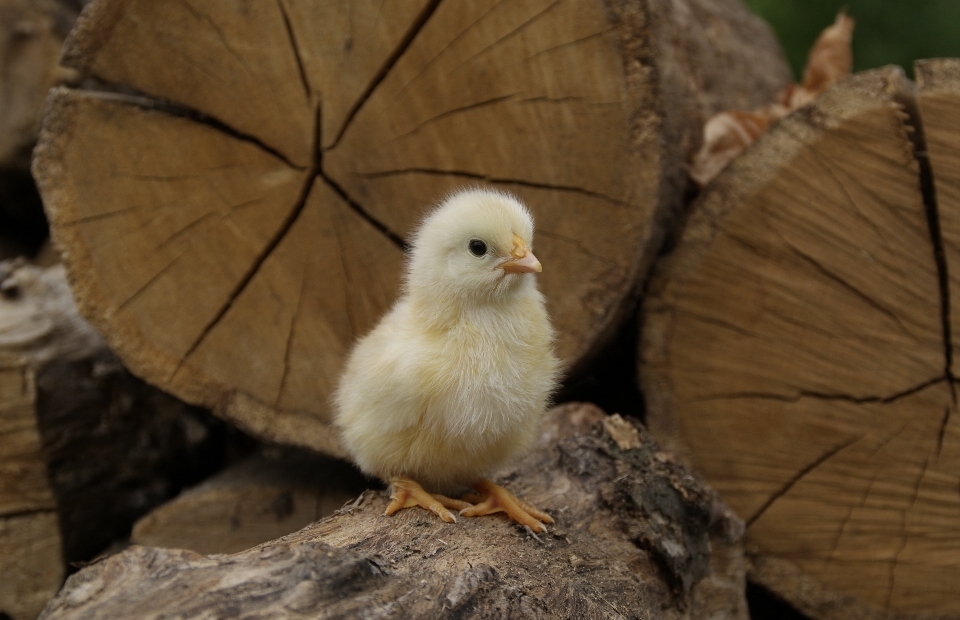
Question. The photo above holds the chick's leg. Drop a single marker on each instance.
(408, 493)
(494, 498)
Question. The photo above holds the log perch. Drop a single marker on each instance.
(799, 347)
(233, 200)
(636, 537)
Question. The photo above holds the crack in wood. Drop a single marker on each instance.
(126, 302)
(347, 280)
(200, 16)
(186, 229)
(718, 322)
(822, 269)
(821, 162)
(943, 429)
(928, 191)
(125, 95)
(447, 46)
(588, 37)
(495, 180)
(452, 112)
(307, 91)
(800, 475)
(290, 335)
(846, 521)
(267, 250)
(418, 23)
(903, 533)
(359, 210)
(579, 245)
(254, 268)
(801, 394)
(509, 35)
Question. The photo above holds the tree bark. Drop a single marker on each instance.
(234, 202)
(254, 501)
(798, 347)
(636, 537)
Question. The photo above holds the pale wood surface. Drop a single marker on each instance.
(232, 214)
(794, 351)
(251, 502)
(636, 536)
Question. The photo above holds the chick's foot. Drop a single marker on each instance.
(493, 498)
(408, 493)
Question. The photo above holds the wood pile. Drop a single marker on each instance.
(799, 345)
(231, 188)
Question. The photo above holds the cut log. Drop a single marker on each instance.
(233, 212)
(252, 502)
(798, 348)
(108, 446)
(30, 556)
(636, 536)
(31, 35)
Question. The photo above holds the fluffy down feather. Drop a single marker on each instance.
(454, 379)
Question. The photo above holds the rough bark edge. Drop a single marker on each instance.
(742, 178)
(92, 29)
(625, 510)
(937, 75)
(648, 37)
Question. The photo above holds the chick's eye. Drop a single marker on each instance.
(477, 248)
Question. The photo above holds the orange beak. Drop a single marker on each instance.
(522, 259)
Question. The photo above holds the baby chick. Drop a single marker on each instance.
(454, 379)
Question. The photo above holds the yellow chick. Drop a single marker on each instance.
(454, 379)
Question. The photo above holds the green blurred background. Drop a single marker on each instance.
(887, 32)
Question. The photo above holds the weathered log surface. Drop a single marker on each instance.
(253, 501)
(234, 225)
(798, 347)
(636, 537)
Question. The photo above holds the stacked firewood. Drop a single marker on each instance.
(231, 188)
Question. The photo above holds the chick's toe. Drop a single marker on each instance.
(408, 493)
(494, 498)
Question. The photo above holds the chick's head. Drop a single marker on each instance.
(476, 244)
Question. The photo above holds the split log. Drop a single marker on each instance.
(233, 205)
(799, 344)
(109, 446)
(636, 536)
(254, 501)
